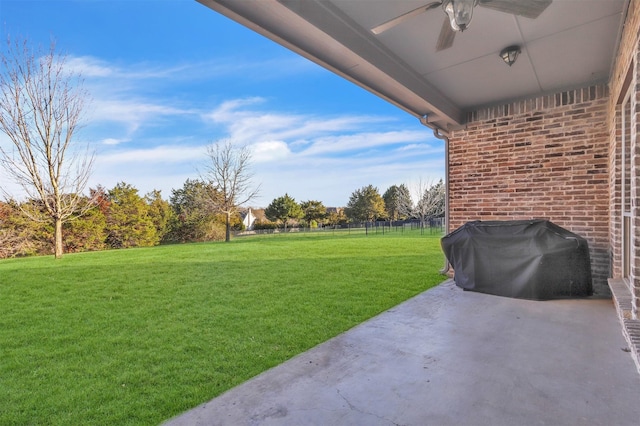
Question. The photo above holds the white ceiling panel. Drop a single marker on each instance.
(574, 56)
(494, 80)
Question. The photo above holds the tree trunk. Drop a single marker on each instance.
(58, 250)
(227, 236)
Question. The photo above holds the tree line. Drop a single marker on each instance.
(365, 205)
(121, 217)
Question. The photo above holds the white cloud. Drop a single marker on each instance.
(101, 74)
(133, 110)
(269, 151)
(132, 96)
(97, 69)
(113, 141)
(248, 125)
(228, 110)
(132, 114)
(88, 66)
(350, 142)
(156, 155)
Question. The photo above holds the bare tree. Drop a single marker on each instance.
(41, 105)
(430, 200)
(228, 171)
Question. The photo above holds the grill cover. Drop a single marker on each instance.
(525, 259)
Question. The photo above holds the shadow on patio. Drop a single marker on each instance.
(449, 357)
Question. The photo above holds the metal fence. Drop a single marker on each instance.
(430, 226)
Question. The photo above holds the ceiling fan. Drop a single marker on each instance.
(459, 14)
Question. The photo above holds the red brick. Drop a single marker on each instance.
(545, 162)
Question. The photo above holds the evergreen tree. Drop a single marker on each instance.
(159, 211)
(86, 233)
(283, 209)
(191, 218)
(337, 217)
(313, 211)
(128, 221)
(397, 202)
(365, 205)
(18, 234)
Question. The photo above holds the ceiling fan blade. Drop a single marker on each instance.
(527, 8)
(445, 39)
(395, 21)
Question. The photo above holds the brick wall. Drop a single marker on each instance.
(625, 79)
(545, 157)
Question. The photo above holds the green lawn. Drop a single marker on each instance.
(138, 336)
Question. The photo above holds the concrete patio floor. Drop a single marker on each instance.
(449, 357)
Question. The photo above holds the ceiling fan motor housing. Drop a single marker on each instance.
(459, 12)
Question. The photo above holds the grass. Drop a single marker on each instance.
(138, 336)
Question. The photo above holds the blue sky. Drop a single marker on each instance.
(169, 77)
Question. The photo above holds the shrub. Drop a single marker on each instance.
(264, 225)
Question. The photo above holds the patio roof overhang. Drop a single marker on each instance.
(572, 43)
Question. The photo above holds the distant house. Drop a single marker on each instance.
(248, 219)
(250, 216)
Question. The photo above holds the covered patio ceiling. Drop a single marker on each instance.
(571, 43)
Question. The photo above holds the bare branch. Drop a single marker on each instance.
(228, 171)
(430, 200)
(41, 106)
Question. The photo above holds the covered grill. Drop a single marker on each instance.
(526, 259)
